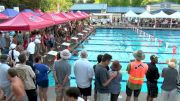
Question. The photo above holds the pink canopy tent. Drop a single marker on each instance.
(74, 15)
(87, 15)
(25, 21)
(3, 16)
(38, 12)
(81, 14)
(53, 17)
(71, 18)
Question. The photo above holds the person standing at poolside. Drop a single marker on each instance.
(13, 53)
(17, 86)
(62, 71)
(169, 86)
(116, 82)
(4, 82)
(32, 49)
(42, 80)
(99, 58)
(103, 78)
(136, 71)
(26, 74)
(152, 76)
(83, 71)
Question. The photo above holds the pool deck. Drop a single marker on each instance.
(142, 97)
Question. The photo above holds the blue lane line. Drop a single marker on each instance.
(128, 45)
(131, 40)
(111, 61)
(120, 51)
(121, 81)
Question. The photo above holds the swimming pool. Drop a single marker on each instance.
(121, 43)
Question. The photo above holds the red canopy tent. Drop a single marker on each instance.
(81, 14)
(87, 15)
(71, 18)
(25, 21)
(39, 12)
(53, 17)
(3, 16)
(75, 15)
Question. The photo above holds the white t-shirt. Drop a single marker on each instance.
(31, 47)
(16, 55)
(83, 71)
(80, 99)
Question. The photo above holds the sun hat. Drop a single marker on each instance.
(12, 46)
(171, 62)
(116, 65)
(37, 41)
(139, 55)
(65, 54)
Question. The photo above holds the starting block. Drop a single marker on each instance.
(66, 45)
(74, 39)
(85, 31)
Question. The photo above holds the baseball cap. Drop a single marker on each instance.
(153, 57)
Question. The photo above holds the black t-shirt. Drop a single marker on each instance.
(152, 74)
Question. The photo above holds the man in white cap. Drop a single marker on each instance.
(136, 71)
(32, 47)
(83, 71)
(62, 71)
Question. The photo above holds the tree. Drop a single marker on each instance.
(90, 1)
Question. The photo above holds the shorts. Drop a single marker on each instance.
(43, 84)
(85, 91)
(152, 89)
(129, 92)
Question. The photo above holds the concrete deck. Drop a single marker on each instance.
(122, 97)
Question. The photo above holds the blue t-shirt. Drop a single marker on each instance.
(41, 71)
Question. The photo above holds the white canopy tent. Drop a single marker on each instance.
(131, 14)
(175, 15)
(146, 14)
(161, 15)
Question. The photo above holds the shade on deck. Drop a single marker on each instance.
(131, 14)
(71, 18)
(10, 12)
(3, 16)
(146, 14)
(55, 18)
(161, 15)
(25, 21)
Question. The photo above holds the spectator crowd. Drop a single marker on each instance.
(28, 81)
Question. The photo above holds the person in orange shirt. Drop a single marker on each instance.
(136, 71)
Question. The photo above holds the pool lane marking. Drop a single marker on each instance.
(125, 51)
(132, 40)
(134, 36)
(130, 45)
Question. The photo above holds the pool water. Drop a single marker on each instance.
(121, 43)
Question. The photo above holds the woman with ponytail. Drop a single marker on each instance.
(13, 53)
